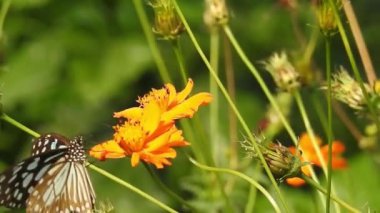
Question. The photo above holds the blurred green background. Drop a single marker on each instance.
(66, 66)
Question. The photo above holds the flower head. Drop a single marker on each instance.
(166, 23)
(173, 105)
(216, 13)
(346, 89)
(283, 72)
(326, 19)
(309, 155)
(148, 132)
(281, 161)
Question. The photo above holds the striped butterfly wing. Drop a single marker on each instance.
(19, 181)
(66, 187)
(48, 142)
(54, 179)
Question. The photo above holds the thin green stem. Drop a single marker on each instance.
(251, 200)
(181, 62)
(3, 13)
(101, 171)
(17, 124)
(319, 109)
(250, 205)
(131, 187)
(333, 197)
(329, 122)
(351, 58)
(310, 130)
(261, 82)
(147, 28)
(214, 107)
(230, 81)
(231, 103)
(271, 200)
(168, 191)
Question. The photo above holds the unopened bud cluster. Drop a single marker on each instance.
(283, 72)
(167, 24)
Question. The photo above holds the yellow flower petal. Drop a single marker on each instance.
(172, 94)
(159, 159)
(151, 117)
(181, 96)
(158, 142)
(135, 159)
(187, 108)
(131, 113)
(108, 149)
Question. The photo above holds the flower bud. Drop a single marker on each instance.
(283, 72)
(282, 163)
(167, 24)
(216, 13)
(326, 19)
(344, 88)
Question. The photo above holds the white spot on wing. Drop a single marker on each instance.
(33, 164)
(12, 179)
(27, 180)
(42, 172)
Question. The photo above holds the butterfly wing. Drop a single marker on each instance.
(54, 179)
(49, 142)
(65, 188)
(19, 181)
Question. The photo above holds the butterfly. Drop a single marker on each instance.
(53, 179)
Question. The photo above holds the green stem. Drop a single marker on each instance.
(101, 171)
(251, 200)
(354, 66)
(319, 109)
(131, 187)
(168, 191)
(309, 130)
(231, 103)
(3, 13)
(214, 107)
(329, 121)
(164, 74)
(242, 176)
(333, 197)
(181, 62)
(261, 82)
(250, 205)
(230, 81)
(17, 124)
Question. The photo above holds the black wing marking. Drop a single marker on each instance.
(49, 142)
(19, 181)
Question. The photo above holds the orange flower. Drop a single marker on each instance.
(149, 132)
(309, 155)
(173, 105)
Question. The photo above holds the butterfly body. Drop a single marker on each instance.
(53, 179)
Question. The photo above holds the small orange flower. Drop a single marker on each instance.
(173, 105)
(309, 155)
(149, 132)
